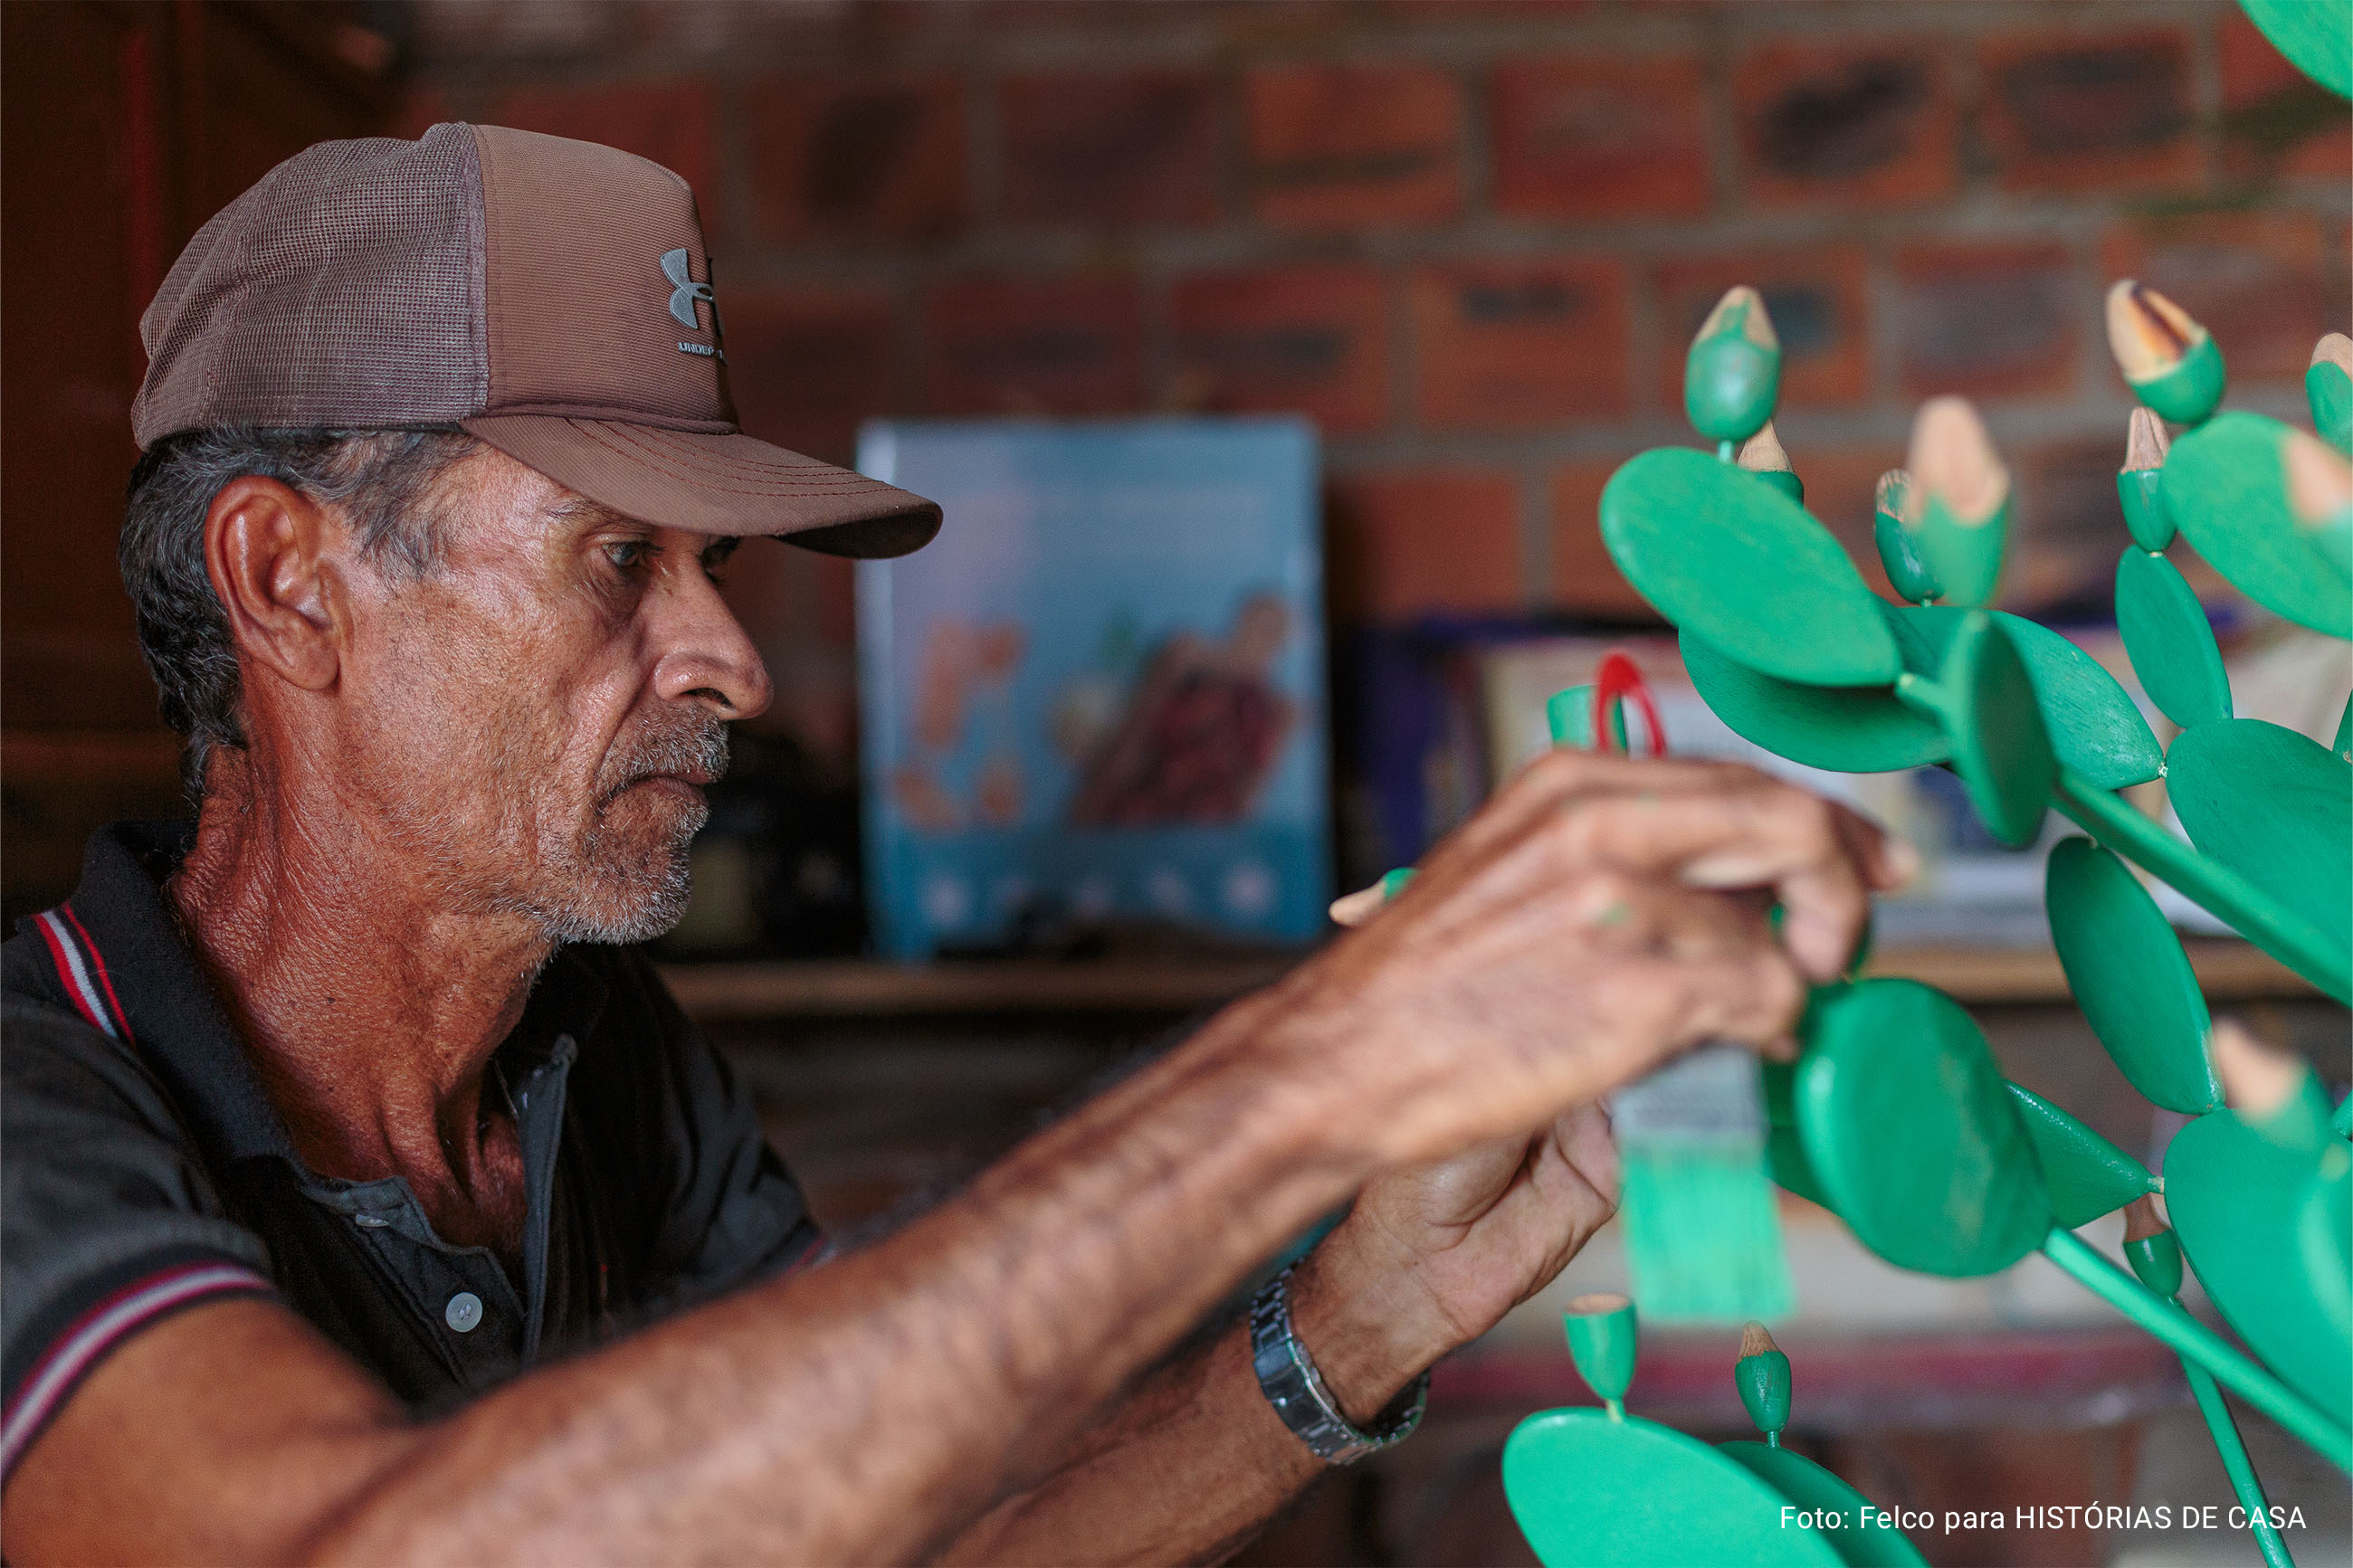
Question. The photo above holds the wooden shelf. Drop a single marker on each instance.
(2230, 972)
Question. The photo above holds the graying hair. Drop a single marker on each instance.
(381, 481)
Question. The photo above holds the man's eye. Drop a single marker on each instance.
(628, 555)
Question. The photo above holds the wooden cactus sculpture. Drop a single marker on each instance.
(1895, 1116)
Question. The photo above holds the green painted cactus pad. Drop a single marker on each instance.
(1588, 1490)
(1859, 1543)
(1847, 729)
(1911, 1127)
(2236, 1200)
(2001, 750)
(2318, 39)
(1739, 563)
(2130, 976)
(2095, 732)
(2225, 489)
(2274, 807)
(2171, 646)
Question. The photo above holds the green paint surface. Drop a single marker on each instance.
(1858, 1545)
(1589, 1490)
(1966, 557)
(2236, 1201)
(2130, 976)
(2170, 642)
(2325, 1237)
(2142, 493)
(1604, 1346)
(1910, 1127)
(2189, 392)
(2328, 391)
(1908, 572)
(2157, 1259)
(2086, 1175)
(1743, 565)
(2001, 749)
(2095, 732)
(2316, 35)
(2274, 807)
(1763, 1382)
(1847, 729)
(2227, 493)
(1730, 382)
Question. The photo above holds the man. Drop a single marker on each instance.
(367, 1198)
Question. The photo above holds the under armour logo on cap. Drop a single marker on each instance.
(684, 299)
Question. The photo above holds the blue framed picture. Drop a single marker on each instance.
(1097, 698)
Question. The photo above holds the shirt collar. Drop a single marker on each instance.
(180, 1029)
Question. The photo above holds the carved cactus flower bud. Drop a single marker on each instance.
(2328, 388)
(1732, 374)
(1908, 572)
(2140, 483)
(2320, 497)
(1958, 506)
(2169, 361)
(1762, 454)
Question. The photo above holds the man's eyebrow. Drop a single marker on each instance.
(580, 508)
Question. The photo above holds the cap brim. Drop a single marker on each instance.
(716, 483)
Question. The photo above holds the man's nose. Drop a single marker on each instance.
(703, 655)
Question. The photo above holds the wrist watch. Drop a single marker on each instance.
(1287, 1376)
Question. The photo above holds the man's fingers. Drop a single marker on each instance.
(1821, 859)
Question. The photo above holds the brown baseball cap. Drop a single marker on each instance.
(551, 297)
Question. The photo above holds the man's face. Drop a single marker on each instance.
(534, 721)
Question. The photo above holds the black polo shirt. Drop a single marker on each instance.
(142, 1168)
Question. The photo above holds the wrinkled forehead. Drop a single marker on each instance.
(492, 494)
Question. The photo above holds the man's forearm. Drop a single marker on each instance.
(868, 1410)
(1194, 1461)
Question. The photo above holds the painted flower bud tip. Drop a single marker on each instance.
(2143, 1218)
(1764, 454)
(1741, 310)
(2145, 444)
(1755, 1340)
(1600, 1304)
(1893, 493)
(2168, 359)
(2257, 1078)
(2335, 348)
(2148, 333)
(1953, 461)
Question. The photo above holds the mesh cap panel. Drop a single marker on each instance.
(343, 290)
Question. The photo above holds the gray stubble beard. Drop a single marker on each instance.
(598, 898)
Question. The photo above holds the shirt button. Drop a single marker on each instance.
(464, 1311)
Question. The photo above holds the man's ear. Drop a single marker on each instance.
(266, 549)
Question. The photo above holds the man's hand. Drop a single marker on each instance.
(1662, 872)
(1600, 916)
(1431, 1257)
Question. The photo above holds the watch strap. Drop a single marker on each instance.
(1287, 1376)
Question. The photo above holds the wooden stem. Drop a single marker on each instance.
(2285, 935)
(2220, 1427)
(2193, 1340)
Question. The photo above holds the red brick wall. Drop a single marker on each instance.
(1469, 236)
